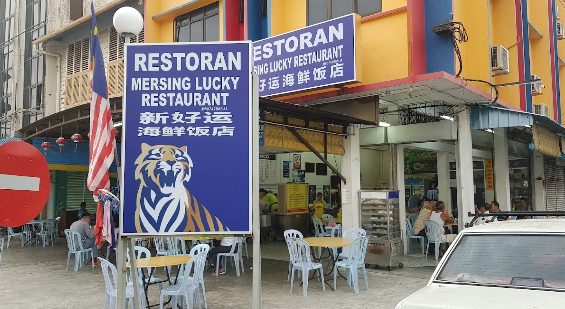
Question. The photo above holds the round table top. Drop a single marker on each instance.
(162, 261)
(327, 242)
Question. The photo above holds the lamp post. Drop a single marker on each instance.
(129, 23)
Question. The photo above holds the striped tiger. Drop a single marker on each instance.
(164, 204)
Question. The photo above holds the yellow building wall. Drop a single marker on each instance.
(476, 52)
(161, 28)
(561, 50)
(384, 52)
(503, 32)
(540, 52)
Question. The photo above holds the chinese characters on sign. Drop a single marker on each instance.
(316, 56)
(489, 175)
(187, 124)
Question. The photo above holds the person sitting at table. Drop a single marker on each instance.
(224, 247)
(82, 226)
(442, 217)
(270, 201)
(425, 213)
(482, 209)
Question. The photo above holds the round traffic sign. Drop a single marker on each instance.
(24, 183)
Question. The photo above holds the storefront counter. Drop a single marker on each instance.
(282, 222)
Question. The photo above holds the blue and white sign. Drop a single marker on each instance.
(187, 142)
(320, 55)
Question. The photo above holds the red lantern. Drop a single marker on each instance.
(61, 142)
(77, 138)
(46, 146)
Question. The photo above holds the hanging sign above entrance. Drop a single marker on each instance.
(187, 147)
(320, 55)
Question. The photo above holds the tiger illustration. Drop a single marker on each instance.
(164, 203)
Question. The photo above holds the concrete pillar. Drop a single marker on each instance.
(501, 169)
(538, 182)
(465, 185)
(443, 178)
(401, 193)
(351, 170)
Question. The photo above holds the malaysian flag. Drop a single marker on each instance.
(102, 142)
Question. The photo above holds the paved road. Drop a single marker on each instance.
(36, 278)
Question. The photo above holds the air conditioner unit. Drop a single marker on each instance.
(541, 109)
(537, 87)
(499, 61)
(560, 31)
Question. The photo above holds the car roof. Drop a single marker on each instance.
(520, 226)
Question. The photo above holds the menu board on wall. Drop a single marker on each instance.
(293, 198)
(267, 169)
(489, 175)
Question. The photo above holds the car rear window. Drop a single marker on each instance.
(532, 261)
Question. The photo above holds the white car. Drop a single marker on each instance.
(508, 264)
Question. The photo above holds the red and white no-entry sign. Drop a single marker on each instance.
(24, 183)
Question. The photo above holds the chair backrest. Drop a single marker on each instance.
(172, 246)
(11, 231)
(188, 269)
(433, 231)
(357, 251)
(318, 227)
(335, 231)
(292, 234)
(412, 218)
(110, 274)
(70, 240)
(200, 248)
(77, 241)
(409, 231)
(140, 252)
(302, 251)
(353, 233)
(199, 265)
(181, 245)
(159, 243)
(327, 216)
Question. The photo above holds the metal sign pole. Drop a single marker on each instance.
(255, 197)
(122, 273)
(133, 267)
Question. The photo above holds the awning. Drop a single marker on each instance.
(546, 133)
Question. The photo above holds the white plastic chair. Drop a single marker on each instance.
(160, 246)
(354, 261)
(74, 245)
(410, 235)
(12, 234)
(45, 235)
(235, 253)
(110, 274)
(188, 287)
(288, 236)
(55, 235)
(140, 253)
(319, 228)
(434, 233)
(1, 248)
(301, 259)
(351, 234)
(196, 250)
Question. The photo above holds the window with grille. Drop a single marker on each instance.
(34, 62)
(322, 10)
(7, 35)
(200, 25)
(116, 44)
(77, 56)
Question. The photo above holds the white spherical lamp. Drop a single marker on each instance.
(128, 21)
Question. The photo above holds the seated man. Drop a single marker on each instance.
(442, 217)
(425, 213)
(224, 247)
(82, 226)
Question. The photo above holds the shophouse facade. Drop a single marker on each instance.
(465, 95)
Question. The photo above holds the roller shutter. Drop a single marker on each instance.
(77, 192)
(551, 181)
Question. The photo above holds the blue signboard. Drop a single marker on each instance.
(187, 146)
(320, 55)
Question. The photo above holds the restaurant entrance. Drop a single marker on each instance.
(301, 161)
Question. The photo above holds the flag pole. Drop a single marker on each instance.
(255, 202)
